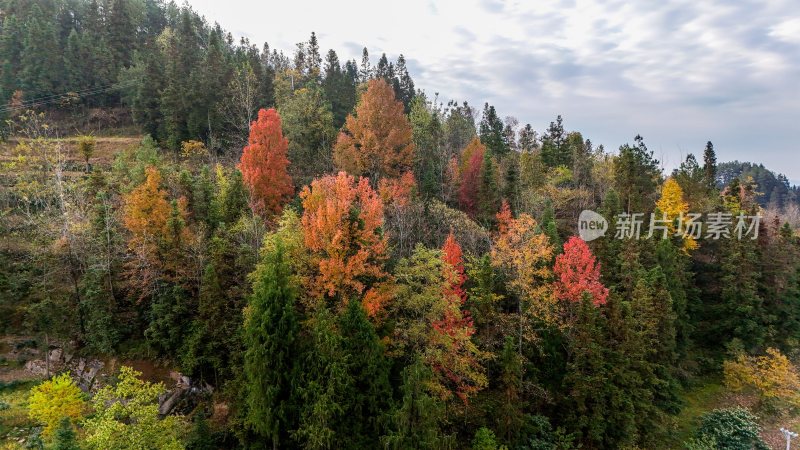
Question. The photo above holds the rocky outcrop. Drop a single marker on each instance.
(184, 396)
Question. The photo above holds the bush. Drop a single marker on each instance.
(484, 440)
(772, 377)
(55, 399)
(731, 429)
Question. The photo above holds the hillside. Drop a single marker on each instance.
(207, 243)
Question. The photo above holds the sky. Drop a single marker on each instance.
(678, 72)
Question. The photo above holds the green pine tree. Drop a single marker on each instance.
(270, 335)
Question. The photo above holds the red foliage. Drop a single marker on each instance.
(264, 165)
(471, 162)
(577, 273)
(453, 258)
(455, 327)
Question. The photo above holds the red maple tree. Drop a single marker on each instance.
(577, 273)
(264, 165)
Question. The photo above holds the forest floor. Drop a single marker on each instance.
(17, 379)
(106, 148)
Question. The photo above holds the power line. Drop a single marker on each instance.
(58, 97)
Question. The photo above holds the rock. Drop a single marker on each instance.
(36, 367)
(169, 400)
(55, 356)
(184, 396)
(85, 373)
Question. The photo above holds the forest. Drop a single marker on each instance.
(208, 243)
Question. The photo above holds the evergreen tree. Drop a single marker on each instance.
(416, 421)
(65, 438)
(527, 139)
(710, 166)
(555, 150)
(431, 161)
(270, 334)
(368, 395)
(339, 88)
(365, 70)
(510, 414)
(406, 91)
(121, 33)
(39, 55)
(491, 132)
(488, 192)
(324, 384)
(636, 175)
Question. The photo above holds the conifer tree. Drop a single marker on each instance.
(491, 132)
(710, 166)
(271, 340)
(376, 142)
(555, 151)
(65, 438)
(264, 165)
(488, 192)
(368, 395)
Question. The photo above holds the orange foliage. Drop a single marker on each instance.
(471, 162)
(376, 142)
(342, 222)
(264, 165)
(397, 191)
(147, 208)
(157, 233)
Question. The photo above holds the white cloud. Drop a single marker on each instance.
(680, 72)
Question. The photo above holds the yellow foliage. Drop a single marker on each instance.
(772, 376)
(55, 399)
(525, 256)
(673, 206)
(192, 149)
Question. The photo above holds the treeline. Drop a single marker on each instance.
(775, 191)
(182, 77)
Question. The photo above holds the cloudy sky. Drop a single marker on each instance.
(678, 72)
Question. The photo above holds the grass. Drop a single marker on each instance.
(699, 399)
(14, 421)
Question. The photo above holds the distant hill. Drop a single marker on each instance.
(775, 189)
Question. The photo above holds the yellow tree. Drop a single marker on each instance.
(772, 376)
(673, 206)
(376, 142)
(524, 255)
(55, 399)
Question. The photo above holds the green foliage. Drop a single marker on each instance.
(734, 429)
(126, 417)
(416, 421)
(64, 438)
(484, 440)
(368, 396)
(636, 175)
(270, 334)
(308, 125)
